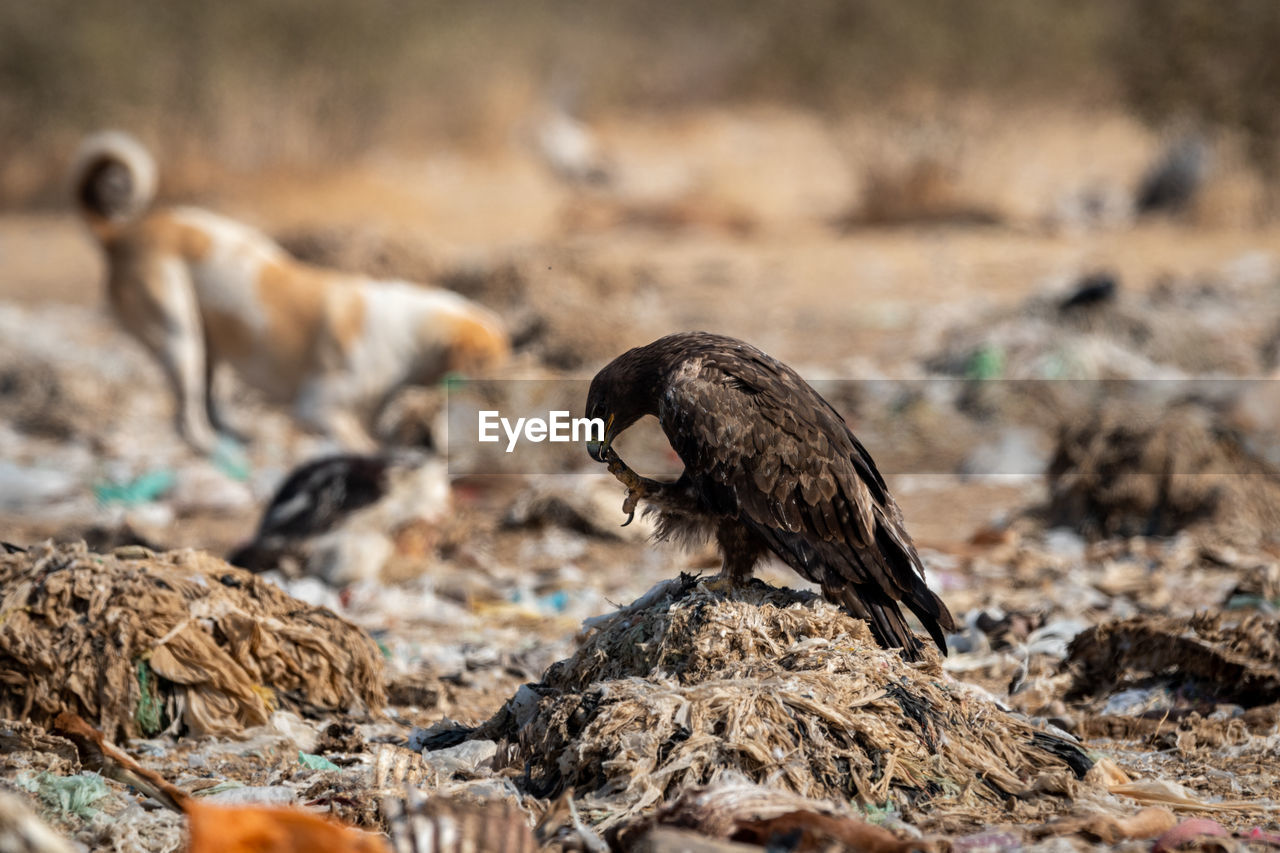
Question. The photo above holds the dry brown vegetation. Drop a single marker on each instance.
(247, 86)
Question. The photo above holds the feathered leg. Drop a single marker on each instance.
(740, 550)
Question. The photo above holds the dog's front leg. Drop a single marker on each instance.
(351, 433)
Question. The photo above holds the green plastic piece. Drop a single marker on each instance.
(316, 762)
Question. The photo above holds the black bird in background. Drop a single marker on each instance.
(312, 500)
(1173, 181)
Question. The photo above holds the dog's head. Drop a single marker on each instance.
(480, 343)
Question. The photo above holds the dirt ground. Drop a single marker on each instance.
(746, 223)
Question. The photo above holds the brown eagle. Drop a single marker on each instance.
(769, 465)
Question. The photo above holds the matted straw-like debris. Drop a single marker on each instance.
(137, 642)
(444, 824)
(690, 683)
(1126, 471)
(1238, 663)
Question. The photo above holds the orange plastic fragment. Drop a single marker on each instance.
(272, 829)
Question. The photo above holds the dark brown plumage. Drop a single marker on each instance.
(769, 466)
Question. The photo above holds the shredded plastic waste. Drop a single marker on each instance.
(67, 795)
(137, 641)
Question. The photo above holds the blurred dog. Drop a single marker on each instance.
(199, 290)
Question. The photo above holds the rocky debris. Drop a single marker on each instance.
(378, 252)
(922, 190)
(1089, 330)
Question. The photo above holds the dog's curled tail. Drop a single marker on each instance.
(113, 180)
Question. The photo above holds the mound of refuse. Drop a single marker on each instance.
(1206, 655)
(1123, 471)
(1096, 331)
(138, 643)
(779, 687)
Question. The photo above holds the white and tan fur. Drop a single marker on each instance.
(199, 290)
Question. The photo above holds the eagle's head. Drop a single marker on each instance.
(623, 392)
(616, 409)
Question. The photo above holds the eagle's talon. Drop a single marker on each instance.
(623, 474)
(629, 504)
(616, 466)
(633, 481)
(721, 584)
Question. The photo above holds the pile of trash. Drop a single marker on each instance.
(1093, 329)
(139, 643)
(1125, 471)
(690, 684)
(1206, 654)
(377, 251)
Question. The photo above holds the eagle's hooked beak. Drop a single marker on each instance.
(599, 449)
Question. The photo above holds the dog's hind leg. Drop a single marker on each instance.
(157, 304)
(211, 406)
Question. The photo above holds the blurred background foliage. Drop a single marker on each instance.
(254, 84)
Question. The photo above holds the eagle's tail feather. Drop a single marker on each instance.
(881, 614)
(904, 566)
(933, 614)
(893, 632)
